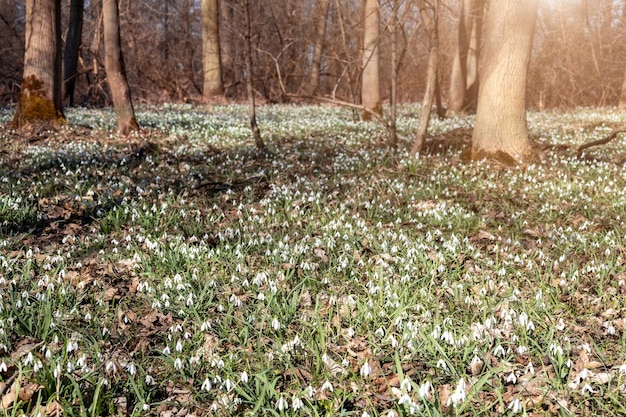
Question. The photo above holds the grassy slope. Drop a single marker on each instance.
(178, 271)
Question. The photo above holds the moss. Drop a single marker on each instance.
(34, 105)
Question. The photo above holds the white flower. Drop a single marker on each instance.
(459, 394)
(282, 404)
(587, 388)
(405, 385)
(511, 378)
(327, 386)
(244, 377)
(3, 367)
(296, 403)
(275, 324)
(425, 389)
(178, 364)
(515, 406)
(206, 385)
(405, 399)
(366, 369)
(622, 369)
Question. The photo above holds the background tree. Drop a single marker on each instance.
(501, 131)
(72, 48)
(254, 127)
(370, 85)
(464, 76)
(211, 57)
(318, 46)
(40, 95)
(114, 64)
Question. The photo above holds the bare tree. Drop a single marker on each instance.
(430, 21)
(370, 85)
(40, 96)
(501, 131)
(256, 133)
(318, 46)
(211, 57)
(114, 66)
(72, 48)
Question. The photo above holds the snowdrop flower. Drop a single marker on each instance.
(515, 406)
(587, 388)
(282, 404)
(512, 379)
(366, 369)
(296, 403)
(405, 385)
(178, 364)
(425, 389)
(622, 369)
(3, 367)
(327, 386)
(275, 324)
(206, 385)
(459, 394)
(244, 377)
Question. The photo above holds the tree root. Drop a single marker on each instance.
(613, 135)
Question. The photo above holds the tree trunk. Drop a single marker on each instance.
(211, 58)
(622, 99)
(114, 67)
(501, 132)
(318, 47)
(256, 133)
(464, 77)
(431, 83)
(40, 97)
(370, 84)
(393, 131)
(72, 47)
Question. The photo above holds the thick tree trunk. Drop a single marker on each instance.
(114, 67)
(501, 132)
(72, 47)
(211, 57)
(318, 47)
(40, 97)
(370, 85)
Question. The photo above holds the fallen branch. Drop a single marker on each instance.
(613, 135)
(376, 115)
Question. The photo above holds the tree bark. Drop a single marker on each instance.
(501, 132)
(211, 57)
(431, 83)
(254, 127)
(72, 47)
(318, 47)
(370, 83)
(464, 77)
(40, 97)
(393, 131)
(114, 67)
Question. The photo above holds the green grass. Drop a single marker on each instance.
(180, 271)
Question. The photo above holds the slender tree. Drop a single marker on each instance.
(318, 47)
(256, 133)
(370, 78)
(211, 56)
(114, 67)
(40, 97)
(72, 47)
(501, 131)
(431, 23)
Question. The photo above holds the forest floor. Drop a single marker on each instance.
(180, 272)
